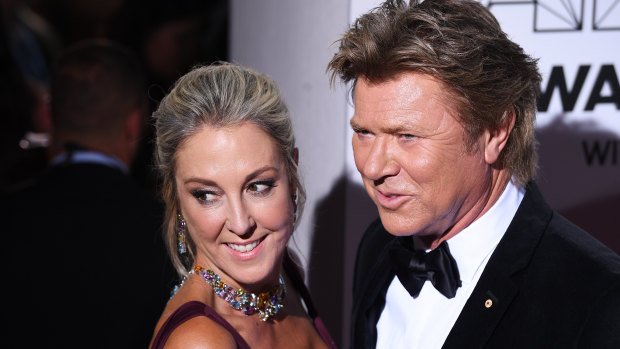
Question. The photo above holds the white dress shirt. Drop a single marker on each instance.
(426, 321)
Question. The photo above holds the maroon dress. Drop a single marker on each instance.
(192, 309)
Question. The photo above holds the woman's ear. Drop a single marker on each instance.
(495, 140)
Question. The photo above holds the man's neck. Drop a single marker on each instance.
(484, 202)
(109, 148)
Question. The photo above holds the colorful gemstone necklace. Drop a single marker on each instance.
(267, 303)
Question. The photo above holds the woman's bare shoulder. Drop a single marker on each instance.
(197, 332)
(200, 332)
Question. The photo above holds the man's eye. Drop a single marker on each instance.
(407, 136)
(362, 132)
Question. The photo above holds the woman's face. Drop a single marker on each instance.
(235, 196)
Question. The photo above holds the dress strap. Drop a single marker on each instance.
(291, 269)
(189, 311)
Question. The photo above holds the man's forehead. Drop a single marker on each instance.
(395, 121)
(406, 86)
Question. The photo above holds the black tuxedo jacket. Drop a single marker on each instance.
(551, 285)
(85, 260)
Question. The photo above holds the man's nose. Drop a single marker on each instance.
(379, 162)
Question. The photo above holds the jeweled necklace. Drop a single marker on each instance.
(267, 303)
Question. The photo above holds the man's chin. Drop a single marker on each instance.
(396, 225)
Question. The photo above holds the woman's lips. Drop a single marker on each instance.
(246, 251)
(244, 248)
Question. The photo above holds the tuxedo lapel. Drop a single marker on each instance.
(500, 281)
(372, 279)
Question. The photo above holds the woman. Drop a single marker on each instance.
(226, 153)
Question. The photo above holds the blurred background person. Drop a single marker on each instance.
(86, 250)
(168, 38)
(27, 45)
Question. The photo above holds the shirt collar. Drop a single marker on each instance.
(93, 157)
(474, 244)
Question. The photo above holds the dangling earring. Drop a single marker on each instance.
(181, 228)
(294, 197)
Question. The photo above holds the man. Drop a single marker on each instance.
(84, 243)
(444, 141)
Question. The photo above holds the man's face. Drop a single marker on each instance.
(411, 152)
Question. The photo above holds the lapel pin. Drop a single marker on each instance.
(488, 303)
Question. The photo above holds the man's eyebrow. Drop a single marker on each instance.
(396, 129)
(401, 127)
(355, 125)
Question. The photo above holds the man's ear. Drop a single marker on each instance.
(495, 140)
(133, 125)
(131, 137)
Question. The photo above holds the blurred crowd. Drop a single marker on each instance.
(168, 37)
(79, 82)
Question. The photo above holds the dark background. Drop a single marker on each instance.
(169, 37)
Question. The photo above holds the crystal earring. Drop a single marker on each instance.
(181, 228)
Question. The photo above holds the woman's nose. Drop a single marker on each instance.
(239, 220)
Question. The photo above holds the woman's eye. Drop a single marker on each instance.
(260, 187)
(203, 195)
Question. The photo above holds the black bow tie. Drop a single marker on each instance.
(413, 268)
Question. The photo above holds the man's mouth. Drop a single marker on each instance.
(390, 201)
(387, 194)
